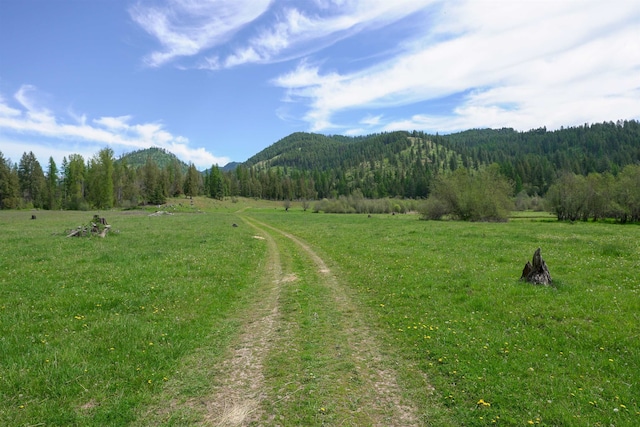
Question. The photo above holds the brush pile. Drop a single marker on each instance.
(96, 227)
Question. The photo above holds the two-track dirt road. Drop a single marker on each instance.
(305, 354)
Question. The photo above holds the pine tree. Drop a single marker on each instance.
(9, 185)
(192, 182)
(32, 180)
(53, 190)
(74, 181)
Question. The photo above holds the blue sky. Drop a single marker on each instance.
(215, 81)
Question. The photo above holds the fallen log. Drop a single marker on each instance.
(104, 232)
(76, 233)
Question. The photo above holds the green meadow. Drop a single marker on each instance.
(97, 331)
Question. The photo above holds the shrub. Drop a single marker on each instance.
(485, 196)
(433, 209)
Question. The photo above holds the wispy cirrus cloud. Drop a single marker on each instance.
(520, 64)
(295, 32)
(187, 27)
(31, 118)
(517, 64)
(280, 30)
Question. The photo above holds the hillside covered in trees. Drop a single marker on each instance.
(404, 163)
(312, 166)
(161, 157)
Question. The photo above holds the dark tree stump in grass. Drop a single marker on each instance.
(536, 272)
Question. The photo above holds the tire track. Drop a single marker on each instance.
(379, 394)
(236, 400)
(242, 394)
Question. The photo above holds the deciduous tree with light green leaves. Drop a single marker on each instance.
(482, 196)
(100, 179)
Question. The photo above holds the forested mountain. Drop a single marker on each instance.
(161, 157)
(311, 166)
(404, 163)
(230, 166)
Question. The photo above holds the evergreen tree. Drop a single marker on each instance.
(53, 189)
(215, 183)
(119, 177)
(32, 180)
(175, 178)
(9, 185)
(151, 189)
(192, 182)
(74, 177)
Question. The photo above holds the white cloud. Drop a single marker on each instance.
(296, 32)
(43, 132)
(115, 123)
(187, 27)
(523, 64)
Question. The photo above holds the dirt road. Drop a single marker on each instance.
(305, 354)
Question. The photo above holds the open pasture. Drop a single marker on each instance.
(446, 296)
(93, 331)
(91, 328)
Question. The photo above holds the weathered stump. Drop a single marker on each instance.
(102, 221)
(538, 272)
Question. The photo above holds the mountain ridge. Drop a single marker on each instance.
(404, 163)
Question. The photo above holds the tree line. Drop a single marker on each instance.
(597, 196)
(582, 172)
(100, 182)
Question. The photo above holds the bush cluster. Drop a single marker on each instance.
(484, 196)
(357, 203)
(597, 196)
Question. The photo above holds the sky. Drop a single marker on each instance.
(215, 81)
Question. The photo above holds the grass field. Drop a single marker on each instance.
(100, 331)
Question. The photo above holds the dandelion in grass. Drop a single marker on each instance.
(483, 403)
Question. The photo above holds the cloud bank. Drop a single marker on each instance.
(229, 33)
(522, 65)
(518, 64)
(119, 133)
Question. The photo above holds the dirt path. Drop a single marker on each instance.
(378, 392)
(290, 366)
(236, 401)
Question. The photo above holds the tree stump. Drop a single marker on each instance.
(538, 272)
